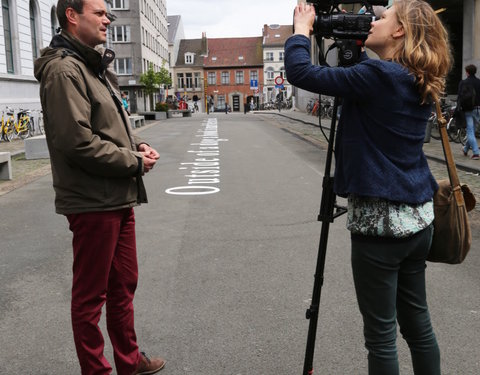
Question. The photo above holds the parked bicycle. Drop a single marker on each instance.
(310, 105)
(22, 127)
(40, 123)
(326, 108)
(455, 131)
(6, 128)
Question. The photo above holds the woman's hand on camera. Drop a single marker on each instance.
(303, 19)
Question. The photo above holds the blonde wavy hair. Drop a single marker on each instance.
(425, 50)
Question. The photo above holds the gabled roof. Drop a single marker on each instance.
(194, 46)
(173, 23)
(234, 52)
(276, 35)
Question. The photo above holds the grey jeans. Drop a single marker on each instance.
(389, 277)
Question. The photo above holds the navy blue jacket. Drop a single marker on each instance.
(379, 142)
(475, 82)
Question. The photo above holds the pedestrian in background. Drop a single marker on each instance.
(382, 170)
(211, 103)
(468, 100)
(125, 103)
(97, 168)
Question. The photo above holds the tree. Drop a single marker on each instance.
(164, 76)
(153, 80)
(150, 80)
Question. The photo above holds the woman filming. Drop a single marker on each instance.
(381, 169)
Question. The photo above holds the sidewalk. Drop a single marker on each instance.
(433, 150)
(26, 171)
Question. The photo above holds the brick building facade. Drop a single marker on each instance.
(229, 67)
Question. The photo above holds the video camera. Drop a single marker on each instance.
(331, 22)
(348, 29)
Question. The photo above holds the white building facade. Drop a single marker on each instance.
(26, 26)
(139, 39)
(274, 38)
(139, 36)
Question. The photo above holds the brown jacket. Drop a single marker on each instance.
(95, 163)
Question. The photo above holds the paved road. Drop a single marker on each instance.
(225, 277)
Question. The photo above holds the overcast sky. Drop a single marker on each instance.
(230, 18)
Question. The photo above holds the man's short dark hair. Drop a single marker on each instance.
(62, 6)
(471, 70)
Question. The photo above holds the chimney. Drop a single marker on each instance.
(204, 44)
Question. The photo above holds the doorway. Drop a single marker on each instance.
(236, 103)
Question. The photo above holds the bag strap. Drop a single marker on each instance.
(447, 151)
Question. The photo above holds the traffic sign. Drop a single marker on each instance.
(253, 84)
(279, 80)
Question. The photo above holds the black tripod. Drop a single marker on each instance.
(348, 54)
(329, 210)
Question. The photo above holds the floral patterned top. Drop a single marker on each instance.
(380, 217)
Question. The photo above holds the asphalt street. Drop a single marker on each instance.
(227, 248)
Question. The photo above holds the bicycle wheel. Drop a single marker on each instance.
(31, 127)
(462, 135)
(329, 112)
(21, 130)
(8, 131)
(452, 130)
(435, 132)
(322, 111)
(40, 126)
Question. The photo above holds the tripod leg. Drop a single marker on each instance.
(326, 216)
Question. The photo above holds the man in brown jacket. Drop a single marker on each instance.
(97, 168)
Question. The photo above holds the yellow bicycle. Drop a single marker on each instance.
(6, 128)
(22, 128)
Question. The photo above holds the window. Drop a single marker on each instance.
(239, 77)
(123, 66)
(180, 80)
(270, 73)
(120, 4)
(282, 72)
(221, 101)
(225, 78)
(33, 29)
(7, 32)
(197, 80)
(282, 56)
(268, 56)
(53, 21)
(121, 34)
(254, 75)
(188, 80)
(212, 78)
(189, 58)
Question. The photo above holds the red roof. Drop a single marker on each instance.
(276, 35)
(234, 52)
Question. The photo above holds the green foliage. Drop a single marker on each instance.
(152, 80)
(162, 107)
(164, 76)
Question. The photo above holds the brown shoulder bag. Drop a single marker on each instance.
(452, 236)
